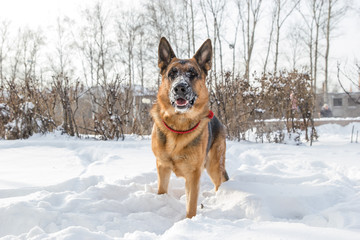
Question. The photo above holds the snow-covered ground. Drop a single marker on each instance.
(56, 187)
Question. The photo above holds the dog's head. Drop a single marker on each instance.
(183, 80)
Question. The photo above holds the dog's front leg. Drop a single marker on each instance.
(192, 182)
(163, 178)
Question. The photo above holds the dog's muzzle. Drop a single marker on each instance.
(182, 97)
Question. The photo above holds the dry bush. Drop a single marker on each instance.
(25, 109)
(68, 94)
(273, 106)
(112, 105)
(285, 97)
(108, 111)
(236, 104)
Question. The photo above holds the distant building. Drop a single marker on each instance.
(143, 99)
(341, 104)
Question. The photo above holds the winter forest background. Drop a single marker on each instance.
(96, 72)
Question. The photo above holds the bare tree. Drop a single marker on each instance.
(96, 46)
(141, 59)
(4, 48)
(327, 37)
(165, 18)
(232, 44)
(192, 25)
(30, 44)
(60, 60)
(153, 22)
(270, 39)
(204, 13)
(216, 11)
(188, 15)
(23, 86)
(313, 18)
(335, 12)
(68, 92)
(187, 27)
(295, 48)
(283, 11)
(352, 98)
(128, 30)
(317, 9)
(69, 95)
(249, 16)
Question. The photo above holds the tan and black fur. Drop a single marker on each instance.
(182, 103)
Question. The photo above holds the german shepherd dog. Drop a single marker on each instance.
(186, 136)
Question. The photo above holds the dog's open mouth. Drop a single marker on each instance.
(180, 102)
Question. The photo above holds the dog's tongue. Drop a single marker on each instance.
(181, 102)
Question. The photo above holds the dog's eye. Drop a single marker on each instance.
(172, 73)
(192, 73)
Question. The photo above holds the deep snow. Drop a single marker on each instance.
(56, 187)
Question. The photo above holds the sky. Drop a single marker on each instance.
(37, 12)
(345, 46)
(43, 12)
(347, 39)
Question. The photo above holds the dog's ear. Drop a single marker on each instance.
(203, 56)
(165, 54)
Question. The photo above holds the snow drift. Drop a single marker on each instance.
(56, 187)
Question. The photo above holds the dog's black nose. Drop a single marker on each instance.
(181, 88)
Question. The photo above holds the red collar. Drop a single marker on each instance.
(210, 116)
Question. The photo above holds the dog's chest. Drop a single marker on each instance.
(190, 152)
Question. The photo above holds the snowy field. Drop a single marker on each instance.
(56, 187)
